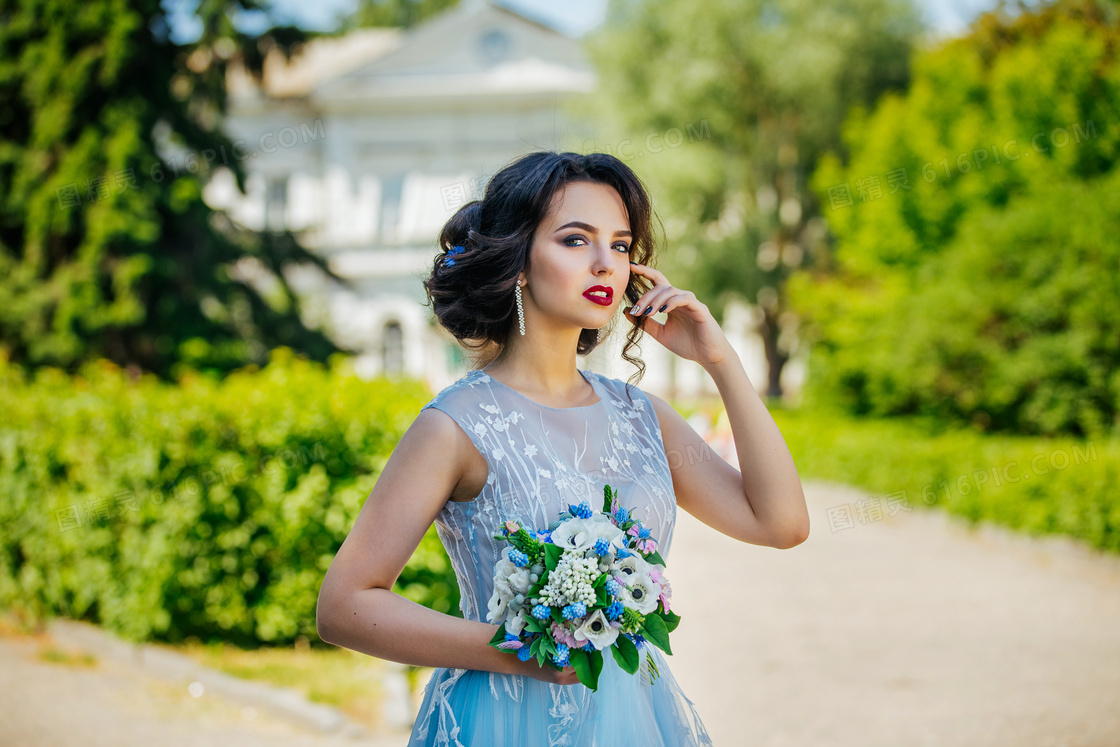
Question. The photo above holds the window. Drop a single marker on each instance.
(392, 349)
(276, 204)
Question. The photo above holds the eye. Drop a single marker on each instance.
(622, 245)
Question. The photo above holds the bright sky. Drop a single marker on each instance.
(573, 17)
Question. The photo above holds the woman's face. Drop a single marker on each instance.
(583, 242)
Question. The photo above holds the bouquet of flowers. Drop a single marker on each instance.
(591, 582)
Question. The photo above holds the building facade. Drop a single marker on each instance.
(366, 144)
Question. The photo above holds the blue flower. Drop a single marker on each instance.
(452, 251)
(639, 640)
(602, 546)
(560, 658)
(589, 646)
(582, 511)
(541, 612)
(511, 637)
(523, 653)
(614, 610)
(574, 610)
(644, 533)
(624, 553)
(622, 514)
(518, 558)
(614, 588)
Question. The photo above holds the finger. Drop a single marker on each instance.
(673, 301)
(649, 272)
(652, 301)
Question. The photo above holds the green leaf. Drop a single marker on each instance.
(602, 598)
(672, 620)
(587, 674)
(606, 499)
(601, 581)
(654, 672)
(552, 556)
(499, 635)
(656, 632)
(533, 625)
(626, 654)
(655, 559)
(596, 660)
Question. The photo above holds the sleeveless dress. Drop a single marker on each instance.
(540, 460)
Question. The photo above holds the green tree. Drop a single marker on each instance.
(106, 248)
(725, 106)
(403, 13)
(978, 284)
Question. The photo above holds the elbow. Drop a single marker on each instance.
(325, 623)
(793, 538)
(322, 624)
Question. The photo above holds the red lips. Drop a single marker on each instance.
(604, 300)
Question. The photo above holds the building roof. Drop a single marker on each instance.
(474, 48)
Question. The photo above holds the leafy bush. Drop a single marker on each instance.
(209, 509)
(976, 264)
(1035, 485)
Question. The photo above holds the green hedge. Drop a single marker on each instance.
(209, 509)
(1036, 485)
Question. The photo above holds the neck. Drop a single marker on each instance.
(547, 370)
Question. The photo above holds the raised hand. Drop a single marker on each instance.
(690, 330)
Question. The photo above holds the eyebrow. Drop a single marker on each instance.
(589, 228)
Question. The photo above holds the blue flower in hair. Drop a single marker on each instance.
(453, 250)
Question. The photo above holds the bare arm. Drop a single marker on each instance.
(357, 608)
(762, 505)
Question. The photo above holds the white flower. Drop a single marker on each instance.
(516, 623)
(582, 534)
(573, 534)
(641, 593)
(499, 600)
(519, 580)
(627, 568)
(602, 527)
(571, 581)
(596, 629)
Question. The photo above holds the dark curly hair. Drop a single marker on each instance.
(472, 291)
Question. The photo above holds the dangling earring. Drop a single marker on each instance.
(520, 308)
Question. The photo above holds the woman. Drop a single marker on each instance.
(527, 278)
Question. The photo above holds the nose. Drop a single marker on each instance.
(602, 264)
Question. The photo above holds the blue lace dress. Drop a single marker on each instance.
(540, 460)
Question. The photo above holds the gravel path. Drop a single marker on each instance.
(901, 632)
(909, 631)
(114, 704)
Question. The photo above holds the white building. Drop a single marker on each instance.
(366, 144)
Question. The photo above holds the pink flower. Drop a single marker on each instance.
(633, 531)
(512, 645)
(561, 635)
(666, 594)
(512, 527)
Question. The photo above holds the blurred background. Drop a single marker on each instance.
(215, 219)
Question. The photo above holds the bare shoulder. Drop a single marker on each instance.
(439, 434)
(667, 415)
